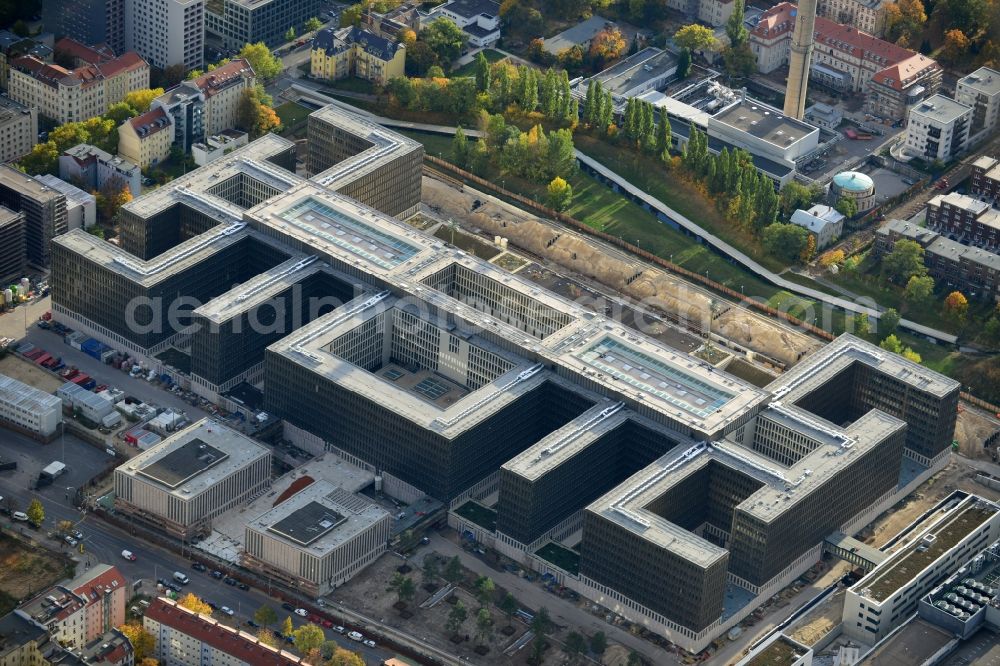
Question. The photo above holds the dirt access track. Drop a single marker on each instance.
(616, 270)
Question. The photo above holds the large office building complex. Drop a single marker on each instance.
(234, 23)
(446, 372)
(192, 476)
(44, 212)
(13, 254)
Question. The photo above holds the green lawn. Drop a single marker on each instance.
(563, 558)
(469, 69)
(292, 113)
(649, 174)
(479, 514)
(600, 207)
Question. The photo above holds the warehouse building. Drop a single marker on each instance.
(318, 539)
(26, 409)
(444, 372)
(192, 476)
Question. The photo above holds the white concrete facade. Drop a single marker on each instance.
(167, 32)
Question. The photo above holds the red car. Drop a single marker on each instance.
(327, 623)
(315, 619)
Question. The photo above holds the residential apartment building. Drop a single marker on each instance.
(88, 21)
(981, 91)
(184, 638)
(191, 477)
(82, 610)
(713, 12)
(393, 23)
(318, 539)
(167, 32)
(22, 642)
(985, 180)
(887, 596)
(44, 211)
(973, 271)
(13, 46)
(94, 169)
(478, 19)
(13, 251)
(865, 15)
(68, 95)
(208, 104)
(965, 219)
(146, 139)
(234, 23)
(18, 130)
(847, 59)
(938, 129)
(337, 54)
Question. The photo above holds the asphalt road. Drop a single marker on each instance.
(104, 543)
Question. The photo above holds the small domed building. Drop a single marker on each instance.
(854, 185)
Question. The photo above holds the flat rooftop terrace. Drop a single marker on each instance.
(915, 643)
(192, 460)
(307, 523)
(907, 564)
(425, 384)
(636, 70)
(764, 122)
(781, 652)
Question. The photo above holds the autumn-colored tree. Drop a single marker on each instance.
(810, 249)
(608, 45)
(287, 627)
(265, 65)
(918, 289)
(267, 637)
(831, 258)
(904, 21)
(43, 158)
(143, 642)
(308, 637)
(407, 37)
(695, 38)
(956, 46)
(111, 197)
(193, 603)
(141, 99)
(342, 657)
(560, 194)
(253, 116)
(956, 305)
(36, 512)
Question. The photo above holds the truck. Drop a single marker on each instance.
(53, 470)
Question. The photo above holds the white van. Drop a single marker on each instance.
(19, 515)
(181, 578)
(355, 636)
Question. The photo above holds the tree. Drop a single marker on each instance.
(193, 603)
(254, 117)
(308, 637)
(342, 657)
(607, 45)
(794, 195)
(290, 34)
(911, 355)
(695, 37)
(634, 659)
(888, 321)
(267, 637)
(111, 197)
(265, 65)
(956, 46)
(143, 642)
(313, 24)
(483, 73)
(435, 72)
(352, 15)
(460, 148)
(484, 626)
(20, 28)
(575, 644)
(43, 158)
(149, 661)
(140, 100)
(905, 261)
(431, 570)
(786, 241)
(736, 29)
(541, 624)
(663, 137)
(892, 343)
(453, 571)
(956, 305)
(64, 526)
(485, 589)
(508, 606)
(445, 39)
(740, 61)
(862, 326)
(119, 112)
(36, 512)
(265, 616)
(403, 587)
(683, 63)
(560, 194)
(809, 250)
(904, 21)
(456, 618)
(287, 627)
(969, 16)
(847, 207)
(918, 289)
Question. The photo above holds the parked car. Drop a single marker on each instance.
(198, 566)
(19, 515)
(229, 581)
(78, 535)
(370, 643)
(211, 604)
(251, 623)
(128, 555)
(287, 606)
(70, 540)
(217, 574)
(228, 611)
(356, 636)
(339, 629)
(243, 586)
(327, 623)
(301, 612)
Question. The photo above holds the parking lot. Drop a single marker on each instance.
(82, 460)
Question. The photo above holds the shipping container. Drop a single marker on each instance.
(80, 379)
(89, 384)
(41, 360)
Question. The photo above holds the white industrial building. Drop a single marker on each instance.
(318, 539)
(93, 407)
(981, 91)
(888, 595)
(81, 206)
(938, 129)
(28, 410)
(191, 477)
